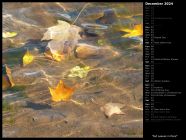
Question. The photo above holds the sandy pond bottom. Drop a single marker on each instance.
(36, 115)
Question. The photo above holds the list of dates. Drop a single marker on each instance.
(159, 94)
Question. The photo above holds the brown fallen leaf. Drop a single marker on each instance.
(7, 78)
(112, 108)
(61, 92)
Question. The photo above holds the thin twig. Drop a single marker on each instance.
(80, 12)
(60, 5)
(76, 102)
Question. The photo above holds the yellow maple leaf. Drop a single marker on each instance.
(136, 31)
(61, 92)
(27, 58)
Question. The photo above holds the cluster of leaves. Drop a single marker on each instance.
(63, 38)
(62, 92)
(63, 35)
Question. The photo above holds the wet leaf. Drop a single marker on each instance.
(58, 57)
(61, 92)
(7, 78)
(63, 38)
(62, 31)
(27, 58)
(58, 32)
(78, 71)
(9, 34)
(136, 31)
(112, 108)
(54, 56)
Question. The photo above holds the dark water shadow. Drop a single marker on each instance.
(14, 56)
(37, 106)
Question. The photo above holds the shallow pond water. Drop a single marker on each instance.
(115, 76)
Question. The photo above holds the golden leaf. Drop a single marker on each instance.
(61, 92)
(54, 55)
(137, 31)
(27, 58)
(9, 34)
(58, 57)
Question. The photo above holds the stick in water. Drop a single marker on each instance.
(80, 12)
(76, 102)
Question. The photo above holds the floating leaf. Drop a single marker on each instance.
(27, 58)
(9, 34)
(78, 71)
(112, 108)
(63, 38)
(137, 31)
(63, 31)
(7, 78)
(58, 32)
(61, 92)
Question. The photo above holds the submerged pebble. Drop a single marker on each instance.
(109, 17)
(94, 29)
